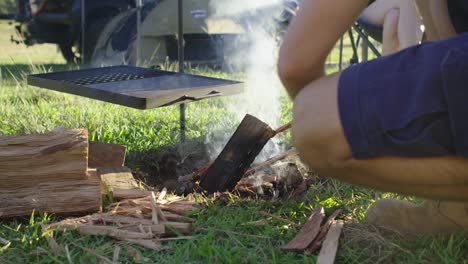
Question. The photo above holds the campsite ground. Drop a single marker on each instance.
(222, 231)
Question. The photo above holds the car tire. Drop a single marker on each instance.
(94, 29)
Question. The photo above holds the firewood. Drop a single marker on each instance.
(110, 231)
(149, 244)
(237, 156)
(120, 178)
(323, 232)
(106, 155)
(61, 197)
(158, 210)
(121, 194)
(154, 209)
(271, 161)
(184, 228)
(29, 160)
(307, 233)
(327, 254)
(115, 257)
(95, 254)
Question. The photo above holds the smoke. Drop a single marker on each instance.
(255, 53)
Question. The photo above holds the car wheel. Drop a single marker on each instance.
(94, 28)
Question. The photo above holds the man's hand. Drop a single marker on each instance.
(311, 36)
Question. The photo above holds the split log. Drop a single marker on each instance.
(327, 254)
(66, 197)
(237, 156)
(106, 155)
(117, 178)
(27, 160)
(307, 233)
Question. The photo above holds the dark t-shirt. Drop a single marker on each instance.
(458, 10)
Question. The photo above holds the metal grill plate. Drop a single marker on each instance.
(135, 87)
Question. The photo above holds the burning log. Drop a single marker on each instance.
(47, 173)
(237, 156)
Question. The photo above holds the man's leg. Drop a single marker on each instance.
(390, 42)
(319, 137)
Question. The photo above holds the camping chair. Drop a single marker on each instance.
(365, 32)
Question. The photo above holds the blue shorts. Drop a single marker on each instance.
(410, 104)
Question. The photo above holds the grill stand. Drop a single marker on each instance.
(180, 43)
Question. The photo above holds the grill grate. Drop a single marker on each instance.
(135, 87)
(105, 78)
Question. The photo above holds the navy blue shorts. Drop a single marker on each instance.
(410, 104)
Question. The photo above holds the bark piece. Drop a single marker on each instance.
(237, 156)
(149, 244)
(307, 233)
(323, 232)
(117, 178)
(106, 155)
(327, 254)
(61, 197)
(27, 160)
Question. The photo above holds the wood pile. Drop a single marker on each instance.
(314, 236)
(144, 221)
(47, 172)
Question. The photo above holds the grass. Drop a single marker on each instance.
(224, 231)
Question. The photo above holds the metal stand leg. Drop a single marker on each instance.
(181, 63)
(182, 123)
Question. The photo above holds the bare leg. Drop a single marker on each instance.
(381, 12)
(319, 137)
(436, 19)
(390, 42)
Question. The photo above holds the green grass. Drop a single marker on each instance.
(224, 232)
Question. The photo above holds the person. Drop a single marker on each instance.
(399, 20)
(396, 124)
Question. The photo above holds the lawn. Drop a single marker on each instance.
(221, 233)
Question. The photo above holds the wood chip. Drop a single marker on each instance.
(38, 252)
(67, 252)
(307, 233)
(327, 254)
(120, 194)
(278, 218)
(323, 232)
(154, 212)
(150, 244)
(4, 241)
(162, 194)
(95, 254)
(115, 257)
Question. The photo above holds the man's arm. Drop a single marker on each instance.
(312, 34)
